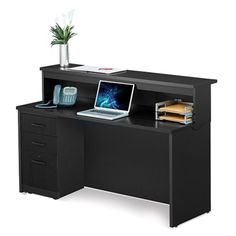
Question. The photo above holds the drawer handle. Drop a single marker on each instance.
(38, 144)
(37, 125)
(42, 163)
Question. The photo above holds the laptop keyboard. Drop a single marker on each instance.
(106, 112)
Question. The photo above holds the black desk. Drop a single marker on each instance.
(60, 152)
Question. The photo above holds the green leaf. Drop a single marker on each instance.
(61, 36)
(56, 41)
(59, 31)
(55, 33)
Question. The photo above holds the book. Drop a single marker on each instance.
(96, 69)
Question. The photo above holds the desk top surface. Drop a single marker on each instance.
(139, 76)
(138, 120)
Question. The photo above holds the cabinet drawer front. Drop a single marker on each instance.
(39, 174)
(39, 146)
(38, 124)
(39, 161)
(43, 176)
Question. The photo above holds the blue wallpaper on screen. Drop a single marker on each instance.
(107, 96)
(114, 95)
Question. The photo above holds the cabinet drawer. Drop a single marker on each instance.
(38, 124)
(39, 146)
(39, 161)
(39, 174)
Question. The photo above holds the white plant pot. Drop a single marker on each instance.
(64, 55)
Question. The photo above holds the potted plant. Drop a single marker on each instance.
(61, 36)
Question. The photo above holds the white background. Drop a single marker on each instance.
(186, 37)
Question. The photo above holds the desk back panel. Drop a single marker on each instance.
(127, 161)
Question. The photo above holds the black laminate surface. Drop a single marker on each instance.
(139, 76)
(61, 152)
(139, 120)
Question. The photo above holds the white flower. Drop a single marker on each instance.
(65, 19)
(70, 16)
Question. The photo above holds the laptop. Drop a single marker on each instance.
(113, 101)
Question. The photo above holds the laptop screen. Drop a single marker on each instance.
(114, 95)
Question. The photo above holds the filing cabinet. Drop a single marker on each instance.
(45, 168)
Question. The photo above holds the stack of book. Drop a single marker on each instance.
(175, 111)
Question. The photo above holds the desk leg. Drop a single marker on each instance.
(189, 174)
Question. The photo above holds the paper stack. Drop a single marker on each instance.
(96, 69)
(175, 110)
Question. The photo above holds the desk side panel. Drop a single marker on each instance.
(70, 155)
(19, 150)
(189, 174)
(202, 106)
